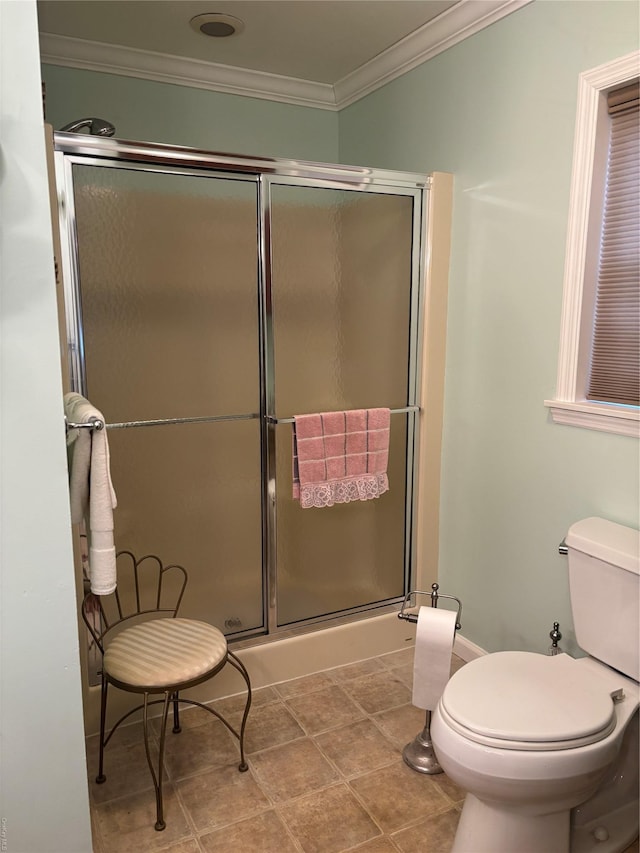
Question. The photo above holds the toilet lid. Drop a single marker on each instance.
(522, 700)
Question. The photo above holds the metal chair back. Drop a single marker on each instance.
(146, 589)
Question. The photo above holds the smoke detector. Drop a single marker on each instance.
(217, 25)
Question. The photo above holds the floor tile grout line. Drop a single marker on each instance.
(360, 800)
(302, 693)
(99, 805)
(263, 785)
(220, 827)
(201, 771)
(190, 821)
(341, 775)
(369, 713)
(361, 846)
(447, 805)
(361, 708)
(333, 784)
(273, 807)
(249, 755)
(423, 819)
(414, 822)
(349, 776)
(319, 791)
(382, 710)
(289, 831)
(331, 673)
(322, 731)
(380, 728)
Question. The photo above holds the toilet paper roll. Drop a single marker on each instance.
(432, 662)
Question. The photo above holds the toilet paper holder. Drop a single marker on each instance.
(419, 754)
(435, 595)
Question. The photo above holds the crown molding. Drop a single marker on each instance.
(457, 23)
(452, 26)
(165, 68)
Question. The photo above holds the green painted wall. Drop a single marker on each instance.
(161, 112)
(498, 110)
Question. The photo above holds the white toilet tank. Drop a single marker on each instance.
(604, 582)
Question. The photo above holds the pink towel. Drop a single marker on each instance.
(340, 457)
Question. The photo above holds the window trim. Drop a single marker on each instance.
(569, 405)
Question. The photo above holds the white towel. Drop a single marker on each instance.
(91, 491)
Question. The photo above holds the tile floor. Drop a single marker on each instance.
(325, 774)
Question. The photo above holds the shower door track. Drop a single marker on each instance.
(121, 154)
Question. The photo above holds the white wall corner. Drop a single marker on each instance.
(452, 26)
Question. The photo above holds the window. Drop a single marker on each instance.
(598, 365)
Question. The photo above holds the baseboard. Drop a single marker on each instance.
(467, 650)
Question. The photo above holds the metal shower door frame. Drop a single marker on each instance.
(72, 149)
(270, 421)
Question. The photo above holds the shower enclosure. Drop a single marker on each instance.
(209, 298)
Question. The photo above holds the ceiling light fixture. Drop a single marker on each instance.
(217, 25)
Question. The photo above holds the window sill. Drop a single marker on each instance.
(616, 419)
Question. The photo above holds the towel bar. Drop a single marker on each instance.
(273, 420)
(92, 423)
(95, 423)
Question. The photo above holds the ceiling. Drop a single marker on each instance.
(320, 40)
(320, 43)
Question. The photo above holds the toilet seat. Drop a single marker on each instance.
(527, 701)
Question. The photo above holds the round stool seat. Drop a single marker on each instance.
(527, 701)
(163, 653)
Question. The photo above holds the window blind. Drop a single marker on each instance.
(614, 370)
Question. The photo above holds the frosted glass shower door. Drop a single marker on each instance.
(342, 266)
(168, 320)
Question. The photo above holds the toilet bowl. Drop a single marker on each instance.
(531, 737)
(547, 746)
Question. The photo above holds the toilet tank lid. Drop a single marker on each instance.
(608, 541)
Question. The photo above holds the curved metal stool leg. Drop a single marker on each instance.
(237, 663)
(157, 779)
(100, 778)
(177, 728)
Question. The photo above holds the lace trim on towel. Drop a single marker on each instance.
(362, 488)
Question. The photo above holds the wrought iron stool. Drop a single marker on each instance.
(156, 653)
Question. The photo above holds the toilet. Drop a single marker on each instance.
(547, 745)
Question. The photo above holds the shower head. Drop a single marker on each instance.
(96, 126)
